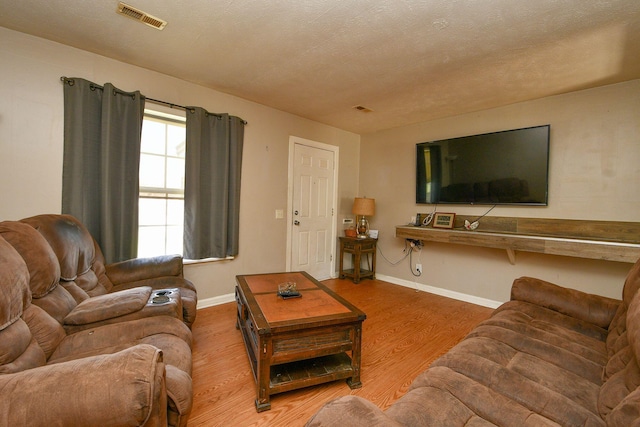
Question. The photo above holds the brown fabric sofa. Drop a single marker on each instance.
(551, 356)
(83, 272)
(69, 358)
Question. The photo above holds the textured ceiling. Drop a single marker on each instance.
(409, 61)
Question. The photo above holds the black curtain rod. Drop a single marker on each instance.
(171, 105)
(70, 82)
(190, 109)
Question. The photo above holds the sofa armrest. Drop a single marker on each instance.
(137, 269)
(594, 309)
(124, 388)
(108, 306)
(180, 394)
(352, 411)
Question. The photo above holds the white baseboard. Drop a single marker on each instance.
(223, 299)
(442, 292)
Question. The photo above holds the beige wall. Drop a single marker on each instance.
(594, 174)
(31, 132)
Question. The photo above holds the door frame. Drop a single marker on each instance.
(293, 141)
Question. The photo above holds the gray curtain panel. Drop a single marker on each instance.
(102, 130)
(212, 184)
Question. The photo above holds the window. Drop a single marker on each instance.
(161, 202)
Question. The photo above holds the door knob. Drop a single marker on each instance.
(296, 222)
(295, 212)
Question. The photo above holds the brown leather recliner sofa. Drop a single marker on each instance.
(84, 274)
(73, 352)
(551, 356)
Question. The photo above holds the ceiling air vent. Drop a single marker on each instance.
(138, 15)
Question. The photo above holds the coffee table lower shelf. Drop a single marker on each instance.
(304, 373)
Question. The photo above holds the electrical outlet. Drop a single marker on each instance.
(419, 268)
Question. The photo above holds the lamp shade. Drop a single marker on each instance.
(364, 206)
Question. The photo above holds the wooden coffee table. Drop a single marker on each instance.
(297, 342)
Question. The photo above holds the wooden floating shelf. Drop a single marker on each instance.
(604, 240)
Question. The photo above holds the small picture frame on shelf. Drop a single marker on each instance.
(443, 220)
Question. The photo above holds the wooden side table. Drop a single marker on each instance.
(358, 247)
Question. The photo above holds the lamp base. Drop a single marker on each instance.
(363, 228)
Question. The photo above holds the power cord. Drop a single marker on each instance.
(473, 225)
(427, 220)
(410, 246)
(406, 243)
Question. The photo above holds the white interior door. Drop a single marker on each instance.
(312, 208)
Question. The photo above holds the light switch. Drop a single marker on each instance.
(279, 214)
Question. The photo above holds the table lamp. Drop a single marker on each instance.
(363, 207)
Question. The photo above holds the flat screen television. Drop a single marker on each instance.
(509, 167)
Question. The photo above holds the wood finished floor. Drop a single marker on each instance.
(404, 332)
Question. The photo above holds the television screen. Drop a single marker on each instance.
(508, 167)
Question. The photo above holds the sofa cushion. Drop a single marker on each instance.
(109, 306)
(631, 284)
(547, 335)
(19, 351)
(169, 334)
(351, 411)
(536, 384)
(592, 309)
(47, 332)
(619, 397)
(566, 361)
(57, 303)
(14, 285)
(73, 246)
(434, 406)
(617, 340)
(618, 326)
(123, 389)
(443, 397)
(44, 270)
